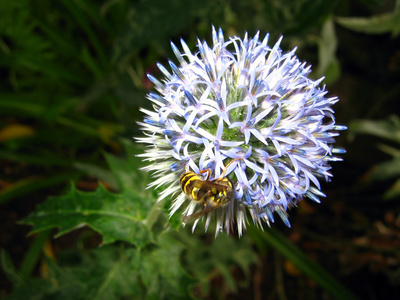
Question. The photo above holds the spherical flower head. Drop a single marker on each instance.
(240, 112)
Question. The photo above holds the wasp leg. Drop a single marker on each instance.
(208, 171)
(205, 198)
(226, 167)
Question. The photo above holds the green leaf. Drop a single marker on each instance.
(127, 170)
(386, 170)
(141, 30)
(32, 255)
(311, 13)
(24, 288)
(103, 273)
(386, 129)
(129, 177)
(328, 64)
(110, 272)
(395, 152)
(114, 216)
(161, 271)
(127, 216)
(241, 254)
(212, 258)
(393, 192)
(9, 269)
(384, 23)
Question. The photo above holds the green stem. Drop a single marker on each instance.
(154, 214)
(302, 261)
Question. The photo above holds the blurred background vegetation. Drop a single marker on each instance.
(73, 76)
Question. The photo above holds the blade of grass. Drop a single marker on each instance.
(91, 169)
(45, 67)
(82, 20)
(91, 63)
(23, 103)
(29, 185)
(9, 268)
(36, 160)
(57, 36)
(32, 255)
(94, 12)
(302, 261)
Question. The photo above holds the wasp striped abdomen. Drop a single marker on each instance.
(192, 185)
(215, 192)
(212, 193)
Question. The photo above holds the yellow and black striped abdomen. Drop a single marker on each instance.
(216, 192)
(212, 193)
(192, 186)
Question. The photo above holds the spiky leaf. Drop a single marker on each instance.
(114, 216)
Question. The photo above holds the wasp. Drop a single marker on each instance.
(212, 193)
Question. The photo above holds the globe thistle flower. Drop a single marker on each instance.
(245, 111)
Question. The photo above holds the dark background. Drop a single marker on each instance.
(73, 78)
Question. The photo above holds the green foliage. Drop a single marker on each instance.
(152, 265)
(114, 216)
(101, 274)
(109, 272)
(217, 257)
(304, 263)
(384, 23)
(327, 45)
(389, 130)
(149, 270)
(52, 56)
(161, 272)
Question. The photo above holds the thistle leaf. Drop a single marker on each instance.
(114, 216)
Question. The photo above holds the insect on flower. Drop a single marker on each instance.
(238, 132)
(211, 193)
